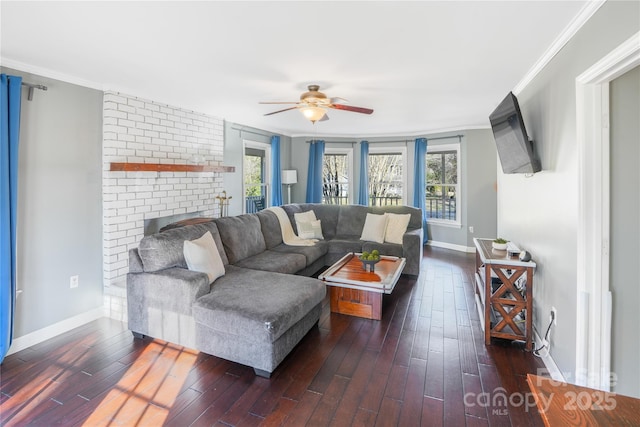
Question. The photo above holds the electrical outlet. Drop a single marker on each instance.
(553, 317)
(471, 229)
(73, 281)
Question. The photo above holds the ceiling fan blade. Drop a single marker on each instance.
(280, 111)
(324, 118)
(268, 102)
(351, 108)
(338, 100)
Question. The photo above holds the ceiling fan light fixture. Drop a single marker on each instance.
(313, 113)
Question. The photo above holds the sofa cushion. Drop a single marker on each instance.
(270, 228)
(345, 244)
(202, 255)
(165, 250)
(272, 260)
(256, 304)
(311, 253)
(241, 236)
(351, 220)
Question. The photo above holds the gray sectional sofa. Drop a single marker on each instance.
(265, 303)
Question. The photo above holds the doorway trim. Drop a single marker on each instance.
(593, 313)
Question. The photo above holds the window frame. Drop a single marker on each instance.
(394, 150)
(441, 148)
(350, 175)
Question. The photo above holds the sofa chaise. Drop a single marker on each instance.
(265, 302)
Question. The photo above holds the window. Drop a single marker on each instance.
(387, 180)
(256, 175)
(442, 176)
(337, 176)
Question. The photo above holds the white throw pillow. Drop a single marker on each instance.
(396, 227)
(310, 230)
(308, 225)
(374, 229)
(202, 255)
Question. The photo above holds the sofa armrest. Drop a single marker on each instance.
(174, 289)
(160, 304)
(412, 250)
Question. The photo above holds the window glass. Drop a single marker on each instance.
(442, 185)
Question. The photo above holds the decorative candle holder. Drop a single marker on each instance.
(223, 200)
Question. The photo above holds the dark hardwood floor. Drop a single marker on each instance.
(424, 363)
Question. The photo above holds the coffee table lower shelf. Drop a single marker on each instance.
(356, 302)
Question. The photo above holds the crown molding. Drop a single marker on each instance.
(424, 133)
(46, 72)
(567, 34)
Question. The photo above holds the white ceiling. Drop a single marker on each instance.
(423, 67)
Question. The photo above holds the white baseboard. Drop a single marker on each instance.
(548, 361)
(459, 248)
(51, 331)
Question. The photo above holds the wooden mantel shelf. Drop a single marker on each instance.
(161, 167)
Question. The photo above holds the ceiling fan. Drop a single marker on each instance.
(313, 105)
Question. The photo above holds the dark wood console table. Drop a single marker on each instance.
(505, 303)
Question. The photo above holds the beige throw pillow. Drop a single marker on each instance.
(309, 227)
(374, 229)
(202, 255)
(396, 227)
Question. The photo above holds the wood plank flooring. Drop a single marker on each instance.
(424, 363)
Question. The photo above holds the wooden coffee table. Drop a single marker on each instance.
(357, 292)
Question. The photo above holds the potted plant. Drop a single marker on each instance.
(499, 244)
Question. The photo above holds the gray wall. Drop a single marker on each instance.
(541, 213)
(234, 134)
(480, 184)
(478, 170)
(625, 231)
(59, 203)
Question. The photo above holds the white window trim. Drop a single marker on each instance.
(438, 148)
(246, 143)
(395, 149)
(350, 168)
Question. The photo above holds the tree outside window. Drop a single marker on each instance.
(253, 175)
(385, 179)
(255, 178)
(335, 179)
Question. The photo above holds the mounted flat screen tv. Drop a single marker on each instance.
(514, 148)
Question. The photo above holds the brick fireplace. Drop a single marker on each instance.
(137, 131)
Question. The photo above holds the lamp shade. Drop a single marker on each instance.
(289, 176)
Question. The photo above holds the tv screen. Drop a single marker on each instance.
(513, 145)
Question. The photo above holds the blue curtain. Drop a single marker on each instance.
(276, 179)
(10, 90)
(419, 182)
(314, 174)
(363, 191)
